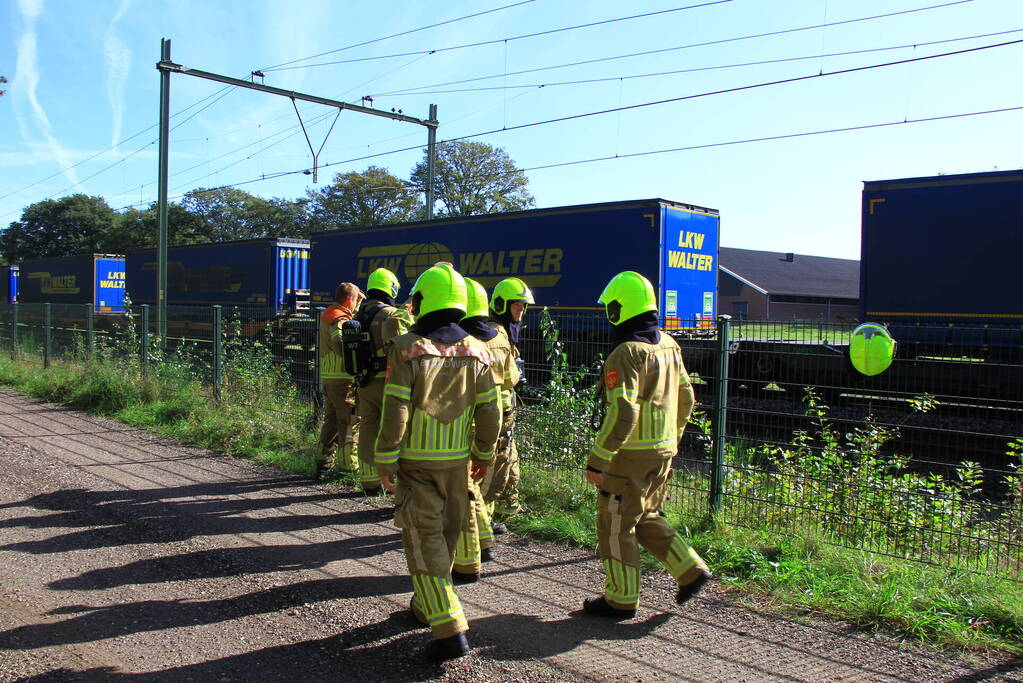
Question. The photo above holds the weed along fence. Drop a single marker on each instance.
(921, 462)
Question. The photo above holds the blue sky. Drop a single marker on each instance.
(83, 80)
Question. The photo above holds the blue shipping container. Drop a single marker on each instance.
(565, 254)
(9, 284)
(261, 272)
(942, 249)
(81, 279)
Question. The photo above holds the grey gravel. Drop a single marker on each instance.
(128, 556)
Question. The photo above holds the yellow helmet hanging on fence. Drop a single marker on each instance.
(476, 305)
(508, 290)
(627, 295)
(871, 349)
(384, 281)
(438, 288)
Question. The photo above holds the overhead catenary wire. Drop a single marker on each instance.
(509, 39)
(761, 62)
(689, 46)
(667, 150)
(397, 35)
(228, 88)
(62, 171)
(572, 117)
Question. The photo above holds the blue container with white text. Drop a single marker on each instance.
(565, 254)
(96, 279)
(259, 272)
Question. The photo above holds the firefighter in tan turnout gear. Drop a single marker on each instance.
(649, 400)
(438, 384)
(384, 322)
(340, 426)
(501, 487)
(476, 542)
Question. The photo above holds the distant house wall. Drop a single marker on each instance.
(823, 309)
(732, 292)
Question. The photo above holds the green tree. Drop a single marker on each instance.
(135, 229)
(75, 224)
(231, 214)
(360, 199)
(472, 178)
(3, 79)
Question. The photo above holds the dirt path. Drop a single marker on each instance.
(124, 556)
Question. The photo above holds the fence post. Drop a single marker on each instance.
(317, 375)
(717, 481)
(144, 340)
(90, 338)
(218, 351)
(47, 335)
(14, 330)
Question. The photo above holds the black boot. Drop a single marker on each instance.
(447, 648)
(499, 528)
(372, 490)
(460, 579)
(598, 607)
(690, 589)
(487, 554)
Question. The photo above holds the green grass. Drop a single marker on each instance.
(276, 431)
(955, 609)
(958, 610)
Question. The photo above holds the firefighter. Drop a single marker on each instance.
(340, 425)
(384, 322)
(649, 400)
(476, 542)
(438, 383)
(501, 488)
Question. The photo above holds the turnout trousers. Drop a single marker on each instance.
(629, 515)
(430, 509)
(476, 533)
(340, 426)
(371, 397)
(501, 485)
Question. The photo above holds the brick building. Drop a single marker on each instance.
(767, 285)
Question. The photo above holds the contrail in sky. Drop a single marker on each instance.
(26, 80)
(118, 58)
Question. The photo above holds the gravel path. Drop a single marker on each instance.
(125, 556)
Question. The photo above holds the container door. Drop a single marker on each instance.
(689, 263)
(109, 295)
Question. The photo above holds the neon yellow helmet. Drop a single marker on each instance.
(508, 290)
(438, 288)
(477, 301)
(627, 295)
(871, 349)
(385, 281)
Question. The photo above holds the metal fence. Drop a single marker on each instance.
(919, 462)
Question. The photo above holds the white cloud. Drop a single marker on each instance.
(27, 78)
(118, 62)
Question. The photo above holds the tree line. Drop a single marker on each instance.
(470, 178)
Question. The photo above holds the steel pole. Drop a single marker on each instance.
(431, 161)
(161, 249)
(717, 482)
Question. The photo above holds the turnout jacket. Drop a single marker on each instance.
(506, 371)
(432, 396)
(649, 401)
(331, 364)
(387, 324)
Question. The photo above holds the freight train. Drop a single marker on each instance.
(566, 254)
(96, 279)
(9, 284)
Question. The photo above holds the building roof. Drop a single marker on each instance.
(772, 273)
